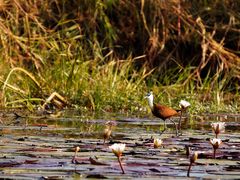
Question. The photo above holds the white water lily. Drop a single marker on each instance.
(77, 149)
(117, 149)
(157, 143)
(184, 104)
(215, 142)
(218, 127)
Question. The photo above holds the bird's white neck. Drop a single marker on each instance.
(150, 101)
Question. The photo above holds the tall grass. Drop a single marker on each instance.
(105, 55)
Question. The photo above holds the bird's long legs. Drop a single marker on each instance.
(165, 127)
(175, 126)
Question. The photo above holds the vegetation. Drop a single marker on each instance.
(106, 54)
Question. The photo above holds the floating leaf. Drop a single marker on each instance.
(95, 161)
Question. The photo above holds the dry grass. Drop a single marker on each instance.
(101, 54)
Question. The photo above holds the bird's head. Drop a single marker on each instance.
(149, 97)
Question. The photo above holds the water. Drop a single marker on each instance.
(29, 151)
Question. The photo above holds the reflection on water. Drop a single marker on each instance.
(74, 125)
(45, 143)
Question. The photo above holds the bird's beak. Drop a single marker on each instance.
(147, 95)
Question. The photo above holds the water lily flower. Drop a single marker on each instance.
(215, 143)
(76, 149)
(108, 130)
(118, 149)
(218, 127)
(192, 159)
(106, 134)
(157, 143)
(184, 104)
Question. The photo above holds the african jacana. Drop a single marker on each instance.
(162, 111)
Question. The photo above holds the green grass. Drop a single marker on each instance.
(114, 86)
(104, 56)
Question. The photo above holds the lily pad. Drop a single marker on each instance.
(27, 152)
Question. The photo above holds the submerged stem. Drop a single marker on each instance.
(120, 163)
(214, 153)
(189, 168)
(75, 154)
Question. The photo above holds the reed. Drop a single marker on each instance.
(105, 55)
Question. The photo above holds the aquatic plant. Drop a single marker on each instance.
(108, 130)
(157, 143)
(118, 149)
(193, 157)
(183, 104)
(106, 134)
(215, 144)
(218, 127)
(76, 150)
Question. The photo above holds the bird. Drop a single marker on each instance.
(161, 111)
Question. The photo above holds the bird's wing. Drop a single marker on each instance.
(165, 111)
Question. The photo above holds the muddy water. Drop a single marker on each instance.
(41, 147)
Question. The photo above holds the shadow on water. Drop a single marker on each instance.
(42, 147)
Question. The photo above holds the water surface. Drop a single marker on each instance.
(36, 146)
